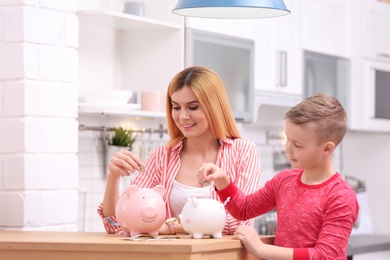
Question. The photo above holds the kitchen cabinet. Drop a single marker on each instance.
(278, 52)
(326, 26)
(327, 74)
(339, 40)
(119, 51)
(278, 56)
(371, 55)
(230, 54)
(363, 95)
(371, 107)
(232, 58)
(376, 21)
(243, 28)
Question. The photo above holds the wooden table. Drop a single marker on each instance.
(92, 245)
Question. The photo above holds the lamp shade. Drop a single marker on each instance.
(231, 9)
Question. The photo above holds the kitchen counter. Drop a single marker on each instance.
(367, 244)
(34, 245)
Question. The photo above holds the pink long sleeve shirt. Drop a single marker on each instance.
(239, 158)
(315, 220)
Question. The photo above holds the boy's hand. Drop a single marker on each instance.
(210, 172)
(250, 238)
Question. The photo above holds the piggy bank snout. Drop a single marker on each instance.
(149, 212)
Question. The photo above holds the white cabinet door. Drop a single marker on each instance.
(227, 47)
(376, 37)
(369, 98)
(235, 27)
(279, 53)
(326, 26)
(288, 51)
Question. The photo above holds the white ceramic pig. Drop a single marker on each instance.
(141, 210)
(203, 217)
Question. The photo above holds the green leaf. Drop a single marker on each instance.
(122, 137)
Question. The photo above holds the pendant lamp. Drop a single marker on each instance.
(231, 9)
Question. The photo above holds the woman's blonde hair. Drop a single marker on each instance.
(211, 94)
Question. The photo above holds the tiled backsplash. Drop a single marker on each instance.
(92, 176)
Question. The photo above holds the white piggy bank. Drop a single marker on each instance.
(203, 217)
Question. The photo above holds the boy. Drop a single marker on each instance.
(316, 208)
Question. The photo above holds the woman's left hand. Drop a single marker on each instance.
(164, 230)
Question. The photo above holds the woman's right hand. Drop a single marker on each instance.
(123, 163)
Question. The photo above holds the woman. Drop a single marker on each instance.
(202, 129)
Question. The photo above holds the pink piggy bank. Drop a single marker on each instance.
(141, 210)
(203, 217)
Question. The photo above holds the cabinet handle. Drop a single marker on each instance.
(281, 68)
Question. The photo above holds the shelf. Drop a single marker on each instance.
(119, 112)
(123, 21)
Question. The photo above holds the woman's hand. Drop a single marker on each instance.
(164, 230)
(177, 228)
(123, 163)
(210, 172)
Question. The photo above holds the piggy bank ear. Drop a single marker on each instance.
(159, 189)
(131, 190)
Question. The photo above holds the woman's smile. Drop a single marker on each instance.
(187, 126)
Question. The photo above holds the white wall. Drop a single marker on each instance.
(38, 126)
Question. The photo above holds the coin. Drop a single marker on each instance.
(206, 183)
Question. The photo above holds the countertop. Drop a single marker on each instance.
(94, 245)
(368, 243)
(39, 245)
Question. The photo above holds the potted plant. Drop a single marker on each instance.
(121, 139)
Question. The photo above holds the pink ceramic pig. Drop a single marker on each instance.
(141, 210)
(203, 217)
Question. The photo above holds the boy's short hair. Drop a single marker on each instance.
(325, 113)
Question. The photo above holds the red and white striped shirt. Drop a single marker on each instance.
(239, 158)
